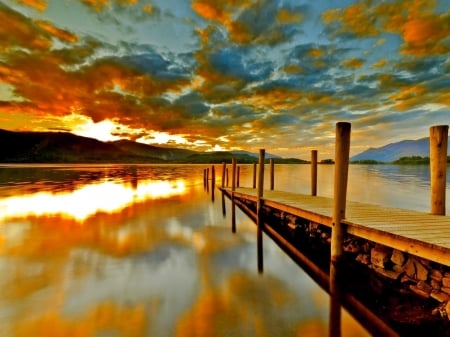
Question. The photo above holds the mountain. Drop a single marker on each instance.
(256, 155)
(394, 151)
(60, 147)
(144, 150)
(64, 147)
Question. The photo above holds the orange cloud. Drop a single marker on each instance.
(426, 34)
(97, 5)
(285, 16)
(353, 63)
(423, 30)
(61, 34)
(380, 63)
(40, 5)
(18, 31)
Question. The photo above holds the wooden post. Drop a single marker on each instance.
(342, 151)
(213, 181)
(207, 179)
(272, 174)
(224, 165)
(438, 167)
(233, 188)
(314, 172)
(238, 176)
(227, 176)
(260, 220)
(254, 175)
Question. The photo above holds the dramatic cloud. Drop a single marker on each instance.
(226, 74)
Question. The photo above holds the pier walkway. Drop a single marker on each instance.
(418, 233)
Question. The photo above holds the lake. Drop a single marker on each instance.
(141, 250)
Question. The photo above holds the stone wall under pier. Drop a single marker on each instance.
(409, 276)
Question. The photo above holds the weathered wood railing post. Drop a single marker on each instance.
(254, 175)
(259, 204)
(438, 167)
(233, 189)
(314, 172)
(342, 151)
(224, 165)
(213, 181)
(272, 174)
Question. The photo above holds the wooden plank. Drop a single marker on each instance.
(414, 232)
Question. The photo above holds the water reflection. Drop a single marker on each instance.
(161, 262)
(85, 201)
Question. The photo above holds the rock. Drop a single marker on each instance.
(436, 275)
(419, 292)
(440, 310)
(397, 257)
(422, 285)
(397, 268)
(421, 271)
(435, 284)
(387, 273)
(409, 268)
(440, 296)
(379, 255)
(446, 282)
(445, 290)
(352, 246)
(415, 269)
(447, 310)
(363, 258)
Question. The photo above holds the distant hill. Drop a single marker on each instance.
(394, 151)
(64, 147)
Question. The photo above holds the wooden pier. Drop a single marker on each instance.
(418, 235)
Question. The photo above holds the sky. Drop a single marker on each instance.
(227, 75)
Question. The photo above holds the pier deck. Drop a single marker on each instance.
(417, 233)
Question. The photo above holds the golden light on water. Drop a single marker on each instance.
(83, 202)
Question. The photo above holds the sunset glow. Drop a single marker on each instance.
(259, 73)
(106, 196)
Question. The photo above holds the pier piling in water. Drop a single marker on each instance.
(233, 188)
(260, 220)
(342, 151)
(238, 176)
(272, 174)
(254, 175)
(213, 182)
(224, 165)
(438, 167)
(314, 172)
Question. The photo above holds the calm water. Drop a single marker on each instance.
(143, 251)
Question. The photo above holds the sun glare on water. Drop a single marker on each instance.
(80, 204)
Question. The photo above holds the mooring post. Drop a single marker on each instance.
(224, 168)
(438, 167)
(238, 176)
(213, 181)
(227, 176)
(342, 151)
(224, 165)
(233, 189)
(272, 174)
(259, 204)
(254, 175)
(314, 172)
